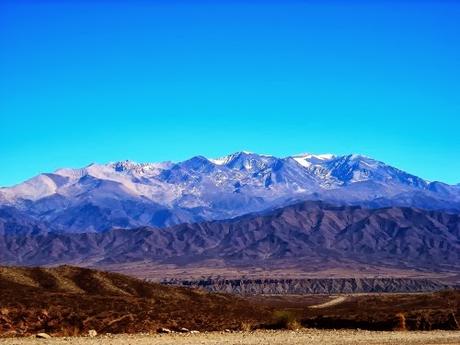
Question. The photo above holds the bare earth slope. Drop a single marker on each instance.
(308, 234)
(70, 301)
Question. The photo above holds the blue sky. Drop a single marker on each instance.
(99, 81)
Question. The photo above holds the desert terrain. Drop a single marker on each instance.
(303, 337)
(72, 301)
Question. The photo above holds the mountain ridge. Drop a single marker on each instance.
(309, 234)
(127, 194)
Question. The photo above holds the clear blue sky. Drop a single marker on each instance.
(98, 81)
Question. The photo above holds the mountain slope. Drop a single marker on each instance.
(126, 194)
(308, 234)
(67, 301)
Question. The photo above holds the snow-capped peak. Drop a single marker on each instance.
(244, 160)
(308, 159)
(221, 160)
(139, 168)
(225, 160)
(325, 156)
(201, 188)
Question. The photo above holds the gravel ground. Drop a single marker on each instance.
(303, 337)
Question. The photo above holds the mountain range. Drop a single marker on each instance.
(310, 234)
(125, 194)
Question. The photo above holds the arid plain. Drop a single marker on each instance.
(304, 337)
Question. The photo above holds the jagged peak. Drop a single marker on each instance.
(125, 165)
(228, 159)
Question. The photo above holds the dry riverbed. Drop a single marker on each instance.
(304, 337)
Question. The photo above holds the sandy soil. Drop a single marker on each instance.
(330, 303)
(317, 269)
(304, 337)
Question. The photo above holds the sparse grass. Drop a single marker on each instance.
(112, 303)
(428, 311)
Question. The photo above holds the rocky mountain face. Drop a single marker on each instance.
(13, 222)
(309, 286)
(127, 195)
(304, 233)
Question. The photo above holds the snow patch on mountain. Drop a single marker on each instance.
(308, 159)
(128, 194)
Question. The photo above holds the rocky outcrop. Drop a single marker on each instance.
(316, 286)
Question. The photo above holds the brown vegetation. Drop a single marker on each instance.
(284, 319)
(416, 311)
(71, 301)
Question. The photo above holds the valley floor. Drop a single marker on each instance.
(304, 337)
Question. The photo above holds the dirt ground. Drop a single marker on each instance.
(303, 337)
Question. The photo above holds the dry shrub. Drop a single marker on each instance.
(286, 320)
(245, 326)
(401, 325)
(451, 322)
(72, 331)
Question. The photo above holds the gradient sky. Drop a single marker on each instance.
(99, 81)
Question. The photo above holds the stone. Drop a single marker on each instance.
(164, 330)
(42, 336)
(92, 333)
